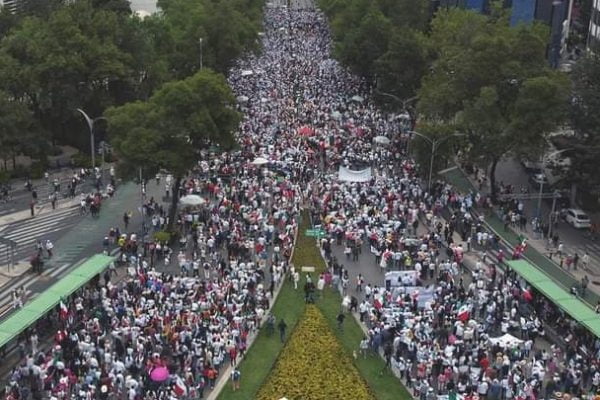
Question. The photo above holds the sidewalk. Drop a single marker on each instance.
(536, 251)
(40, 209)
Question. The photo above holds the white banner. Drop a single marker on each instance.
(401, 278)
(349, 175)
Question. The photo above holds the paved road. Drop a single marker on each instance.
(75, 238)
(50, 226)
(21, 197)
(575, 240)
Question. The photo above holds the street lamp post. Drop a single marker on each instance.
(200, 42)
(544, 161)
(434, 146)
(91, 122)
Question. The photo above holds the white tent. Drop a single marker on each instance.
(260, 161)
(358, 99)
(381, 140)
(242, 99)
(506, 340)
(247, 72)
(192, 200)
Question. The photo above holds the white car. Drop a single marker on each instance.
(577, 218)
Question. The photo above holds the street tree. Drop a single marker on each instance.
(400, 69)
(364, 44)
(585, 120)
(78, 57)
(491, 82)
(16, 129)
(168, 131)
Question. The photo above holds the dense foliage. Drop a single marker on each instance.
(491, 82)
(382, 41)
(313, 365)
(92, 54)
(473, 74)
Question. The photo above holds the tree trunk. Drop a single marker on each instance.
(493, 180)
(174, 201)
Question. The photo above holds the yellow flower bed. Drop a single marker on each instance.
(314, 366)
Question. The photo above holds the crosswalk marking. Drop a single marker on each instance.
(26, 233)
(26, 282)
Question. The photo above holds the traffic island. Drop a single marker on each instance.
(260, 361)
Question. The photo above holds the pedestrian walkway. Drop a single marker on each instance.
(26, 233)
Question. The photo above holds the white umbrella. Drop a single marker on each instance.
(242, 99)
(247, 72)
(381, 140)
(260, 161)
(336, 115)
(358, 99)
(192, 200)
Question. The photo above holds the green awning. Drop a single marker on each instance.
(44, 302)
(559, 295)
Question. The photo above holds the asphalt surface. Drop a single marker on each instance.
(76, 237)
(20, 197)
(575, 240)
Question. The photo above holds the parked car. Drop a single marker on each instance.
(577, 218)
(537, 179)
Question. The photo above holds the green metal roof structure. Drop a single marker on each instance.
(46, 301)
(577, 309)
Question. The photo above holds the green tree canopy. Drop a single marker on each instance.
(168, 130)
(491, 81)
(382, 41)
(585, 109)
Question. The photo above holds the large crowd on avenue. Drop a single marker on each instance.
(307, 122)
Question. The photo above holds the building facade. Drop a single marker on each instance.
(593, 40)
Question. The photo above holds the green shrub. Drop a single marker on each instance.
(19, 172)
(55, 151)
(37, 170)
(82, 160)
(4, 177)
(162, 236)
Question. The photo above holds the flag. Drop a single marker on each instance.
(64, 311)
(463, 313)
(180, 389)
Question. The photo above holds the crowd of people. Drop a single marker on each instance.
(156, 334)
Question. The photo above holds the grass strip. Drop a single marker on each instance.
(261, 357)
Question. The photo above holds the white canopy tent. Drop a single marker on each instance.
(260, 161)
(506, 340)
(383, 140)
(192, 200)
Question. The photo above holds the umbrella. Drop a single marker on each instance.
(192, 200)
(306, 131)
(242, 99)
(381, 140)
(260, 161)
(247, 72)
(358, 99)
(336, 115)
(159, 374)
